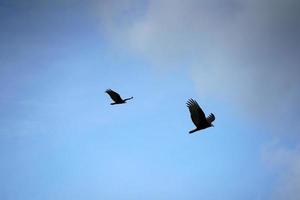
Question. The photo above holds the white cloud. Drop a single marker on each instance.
(285, 162)
(245, 51)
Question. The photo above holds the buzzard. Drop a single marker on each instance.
(116, 97)
(198, 116)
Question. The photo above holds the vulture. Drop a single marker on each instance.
(198, 116)
(116, 97)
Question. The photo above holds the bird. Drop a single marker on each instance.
(198, 116)
(116, 97)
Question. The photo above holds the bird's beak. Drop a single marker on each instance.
(212, 125)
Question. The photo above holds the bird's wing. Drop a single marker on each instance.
(113, 95)
(210, 118)
(197, 114)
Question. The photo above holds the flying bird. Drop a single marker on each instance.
(116, 97)
(198, 116)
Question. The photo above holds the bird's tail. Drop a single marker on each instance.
(128, 98)
(192, 131)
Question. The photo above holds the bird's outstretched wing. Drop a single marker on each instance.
(113, 95)
(210, 118)
(197, 114)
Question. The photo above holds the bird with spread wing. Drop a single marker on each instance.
(116, 97)
(198, 116)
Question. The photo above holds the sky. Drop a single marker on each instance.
(61, 139)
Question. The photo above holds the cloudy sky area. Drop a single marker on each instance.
(60, 138)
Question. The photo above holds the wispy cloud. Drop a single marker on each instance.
(286, 163)
(243, 51)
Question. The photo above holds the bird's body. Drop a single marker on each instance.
(198, 116)
(116, 97)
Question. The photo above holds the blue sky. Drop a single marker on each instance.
(60, 138)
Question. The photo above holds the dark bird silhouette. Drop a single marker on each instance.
(116, 97)
(198, 116)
